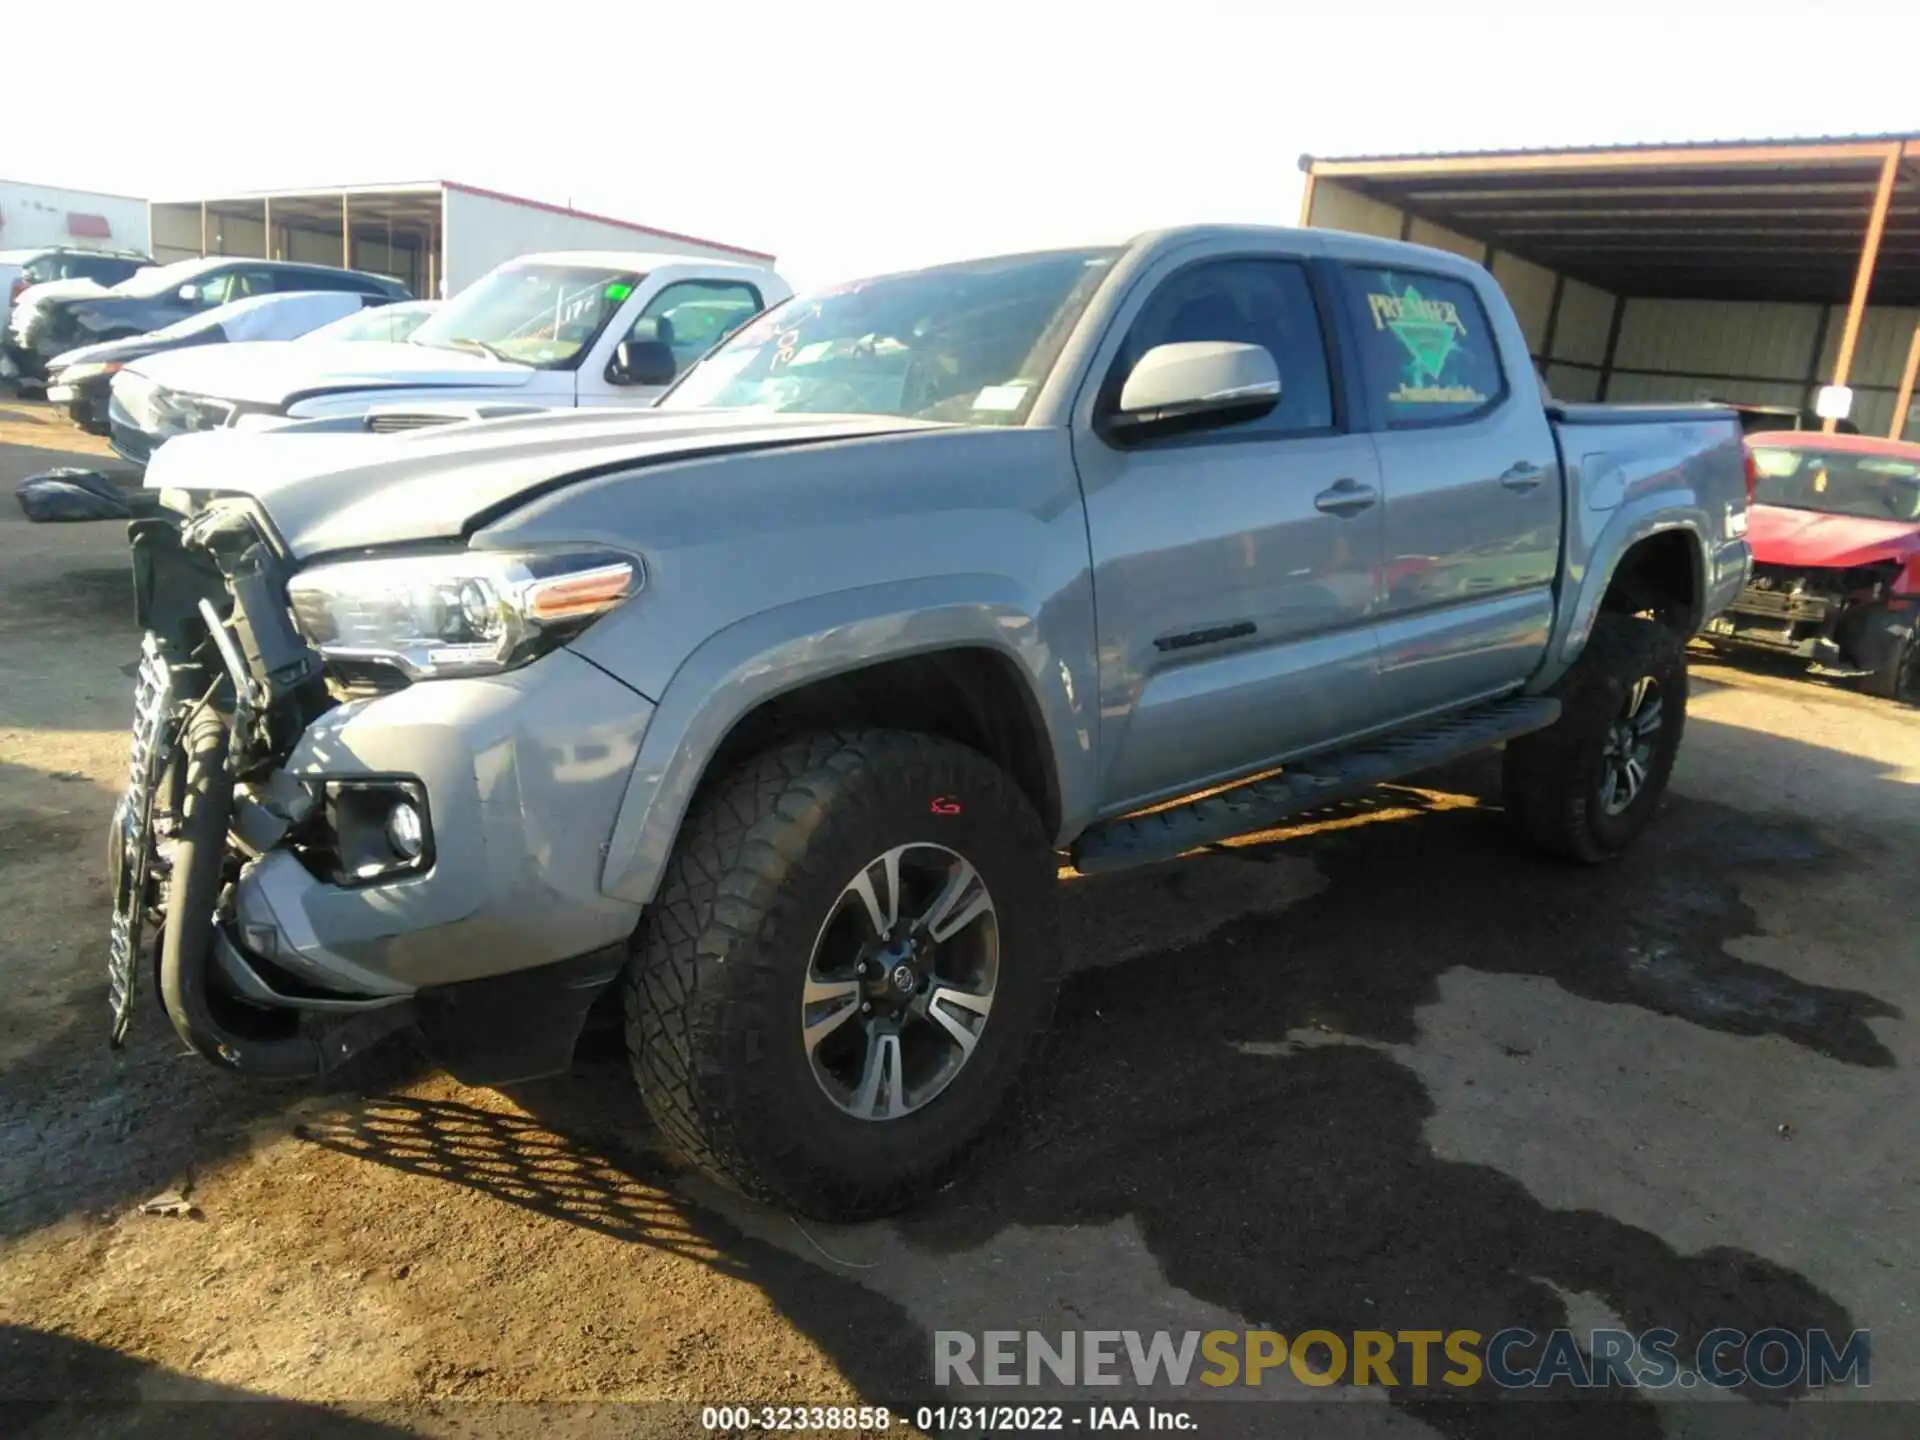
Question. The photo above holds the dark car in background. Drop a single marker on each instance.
(62, 262)
(48, 325)
(81, 380)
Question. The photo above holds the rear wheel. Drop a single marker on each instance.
(847, 971)
(1586, 786)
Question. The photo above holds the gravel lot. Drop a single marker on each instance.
(1384, 1071)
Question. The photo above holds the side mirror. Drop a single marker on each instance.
(642, 362)
(189, 294)
(1196, 385)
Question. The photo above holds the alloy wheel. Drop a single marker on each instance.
(1630, 741)
(901, 981)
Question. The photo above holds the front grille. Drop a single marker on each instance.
(1782, 592)
(1776, 577)
(152, 738)
(1784, 605)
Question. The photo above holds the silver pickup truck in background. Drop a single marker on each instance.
(774, 708)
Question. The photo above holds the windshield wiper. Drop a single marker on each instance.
(495, 351)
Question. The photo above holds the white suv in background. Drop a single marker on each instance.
(541, 332)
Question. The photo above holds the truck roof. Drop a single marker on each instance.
(643, 260)
(1342, 243)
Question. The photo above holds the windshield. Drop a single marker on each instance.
(543, 315)
(380, 322)
(971, 342)
(158, 279)
(1839, 482)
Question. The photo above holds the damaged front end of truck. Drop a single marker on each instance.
(223, 687)
(271, 865)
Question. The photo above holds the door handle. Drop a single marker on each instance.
(1345, 498)
(1523, 476)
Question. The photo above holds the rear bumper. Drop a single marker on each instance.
(1732, 567)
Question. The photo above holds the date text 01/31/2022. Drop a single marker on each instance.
(1004, 1419)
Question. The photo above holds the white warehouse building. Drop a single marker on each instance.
(438, 236)
(39, 217)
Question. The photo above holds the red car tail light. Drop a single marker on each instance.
(1753, 473)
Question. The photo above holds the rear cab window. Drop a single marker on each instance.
(1428, 353)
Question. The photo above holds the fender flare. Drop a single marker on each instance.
(1585, 581)
(785, 648)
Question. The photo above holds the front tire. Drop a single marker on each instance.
(1585, 787)
(1898, 677)
(847, 972)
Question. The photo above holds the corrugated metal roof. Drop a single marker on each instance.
(1626, 147)
(1774, 219)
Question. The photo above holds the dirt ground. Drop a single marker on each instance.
(1385, 1071)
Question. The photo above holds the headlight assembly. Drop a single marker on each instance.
(467, 612)
(88, 370)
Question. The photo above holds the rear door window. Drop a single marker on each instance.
(1427, 350)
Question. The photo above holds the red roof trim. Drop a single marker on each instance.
(605, 220)
(1854, 444)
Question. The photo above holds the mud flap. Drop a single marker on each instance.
(519, 1026)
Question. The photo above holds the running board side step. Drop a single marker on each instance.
(1262, 804)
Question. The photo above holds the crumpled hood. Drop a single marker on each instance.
(272, 372)
(60, 290)
(124, 352)
(1781, 536)
(346, 491)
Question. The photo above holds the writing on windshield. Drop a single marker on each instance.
(972, 342)
(541, 315)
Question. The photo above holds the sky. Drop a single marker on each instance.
(851, 138)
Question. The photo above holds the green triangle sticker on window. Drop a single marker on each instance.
(619, 290)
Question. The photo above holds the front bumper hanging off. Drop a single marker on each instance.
(491, 950)
(130, 850)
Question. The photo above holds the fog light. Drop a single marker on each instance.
(404, 831)
(371, 831)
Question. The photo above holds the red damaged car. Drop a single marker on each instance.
(1835, 530)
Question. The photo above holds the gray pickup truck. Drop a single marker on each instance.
(773, 710)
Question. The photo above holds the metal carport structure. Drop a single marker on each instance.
(1754, 270)
(435, 235)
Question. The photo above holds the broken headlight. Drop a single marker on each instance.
(87, 370)
(466, 612)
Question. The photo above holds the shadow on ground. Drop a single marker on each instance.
(1228, 1092)
(108, 1395)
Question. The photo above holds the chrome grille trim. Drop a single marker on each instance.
(153, 715)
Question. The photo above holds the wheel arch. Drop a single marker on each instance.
(1650, 556)
(963, 665)
(972, 694)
